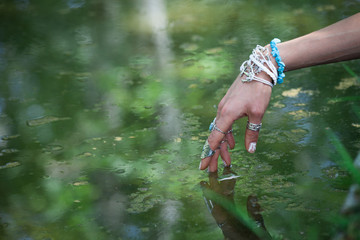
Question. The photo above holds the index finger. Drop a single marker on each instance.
(219, 132)
(214, 140)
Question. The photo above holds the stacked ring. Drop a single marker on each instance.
(253, 126)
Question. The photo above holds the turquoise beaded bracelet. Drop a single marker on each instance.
(275, 53)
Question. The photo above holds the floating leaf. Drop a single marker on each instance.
(10, 165)
(85, 154)
(189, 47)
(230, 41)
(80, 183)
(119, 171)
(214, 50)
(324, 8)
(118, 139)
(44, 120)
(6, 138)
(194, 85)
(53, 148)
(10, 150)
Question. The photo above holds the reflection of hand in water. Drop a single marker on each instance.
(219, 198)
(254, 211)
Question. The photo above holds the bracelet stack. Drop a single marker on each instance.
(259, 61)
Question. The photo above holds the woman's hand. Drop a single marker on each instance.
(242, 99)
(337, 42)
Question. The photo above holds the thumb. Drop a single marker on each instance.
(252, 134)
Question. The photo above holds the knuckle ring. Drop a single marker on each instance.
(218, 129)
(214, 127)
(253, 126)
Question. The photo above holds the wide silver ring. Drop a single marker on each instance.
(253, 126)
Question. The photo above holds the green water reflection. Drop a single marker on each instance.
(104, 108)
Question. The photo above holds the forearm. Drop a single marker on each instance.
(337, 42)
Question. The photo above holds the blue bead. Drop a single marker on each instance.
(212, 125)
(276, 54)
(276, 40)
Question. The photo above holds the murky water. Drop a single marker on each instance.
(105, 105)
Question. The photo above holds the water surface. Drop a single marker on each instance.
(105, 106)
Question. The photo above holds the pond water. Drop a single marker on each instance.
(105, 106)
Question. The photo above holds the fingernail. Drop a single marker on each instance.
(200, 166)
(225, 164)
(252, 147)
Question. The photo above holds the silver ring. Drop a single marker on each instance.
(218, 129)
(213, 126)
(253, 126)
